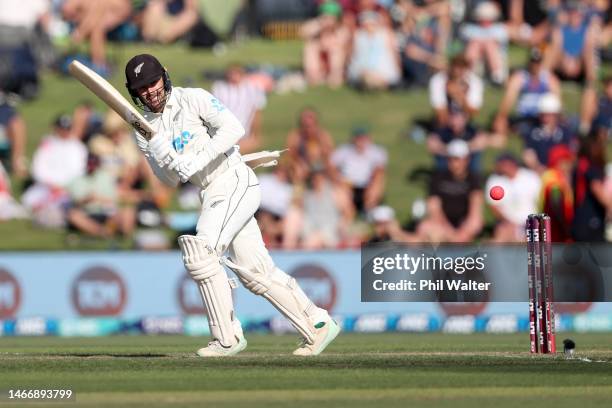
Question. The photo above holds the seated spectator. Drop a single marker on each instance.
(326, 42)
(557, 195)
(602, 117)
(528, 21)
(548, 132)
(93, 20)
(244, 100)
(353, 8)
(521, 194)
(487, 41)
(86, 121)
(93, 207)
(361, 166)
(385, 226)
(423, 37)
(374, 62)
(573, 55)
(458, 88)
(12, 139)
(458, 128)
(165, 21)
(24, 45)
(591, 202)
(10, 209)
(320, 216)
(276, 198)
(310, 146)
(525, 88)
(115, 147)
(138, 188)
(59, 159)
(455, 202)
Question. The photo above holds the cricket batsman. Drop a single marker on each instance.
(196, 140)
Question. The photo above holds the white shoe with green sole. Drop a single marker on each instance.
(326, 332)
(216, 349)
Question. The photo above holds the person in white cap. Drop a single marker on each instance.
(195, 141)
(549, 131)
(487, 41)
(455, 202)
(386, 227)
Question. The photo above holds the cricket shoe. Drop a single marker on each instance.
(216, 349)
(325, 333)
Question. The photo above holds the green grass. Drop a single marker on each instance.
(357, 370)
(388, 114)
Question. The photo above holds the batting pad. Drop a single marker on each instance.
(285, 295)
(214, 287)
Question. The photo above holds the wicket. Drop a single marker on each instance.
(540, 284)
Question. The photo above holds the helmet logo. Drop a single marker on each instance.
(138, 68)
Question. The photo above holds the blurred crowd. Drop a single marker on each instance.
(457, 49)
(87, 177)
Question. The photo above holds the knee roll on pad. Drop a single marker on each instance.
(200, 260)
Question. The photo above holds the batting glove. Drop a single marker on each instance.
(185, 165)
(162, 150)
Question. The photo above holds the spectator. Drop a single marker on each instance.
(557, 195)
(276, 198)
(590, 199)
(521, 193)
(326, 41)
(547, 133)
(602, 117)
(93, 20)
(59, 159)
(454, 205)
(86, 121)
(165, 21)
(9, 207)
(115, 147)
(353, 8)
(572, 52)
(24, 44)
(527, 86)
(458, 128)
(138, 189)
(93, 207)
(386, 228)
(529, 22)
(361, 165)
(310, 146)
(320, 216)
(374, 62)
(244, 100)
(487, 41)
(12, 139)
(423, 36)
(573, 55)
(457, 88)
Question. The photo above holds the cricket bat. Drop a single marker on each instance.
(111, 97)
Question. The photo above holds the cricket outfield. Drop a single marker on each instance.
(358, 370)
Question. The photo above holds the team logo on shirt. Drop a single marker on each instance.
(179, 142)
(217, 105)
